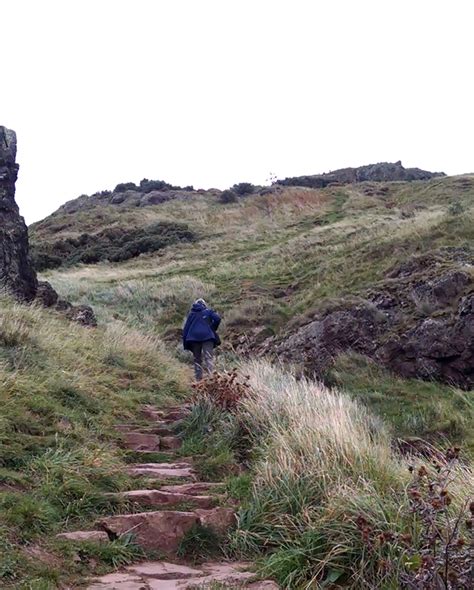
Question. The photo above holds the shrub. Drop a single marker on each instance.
(456, 208)
(114, 243)
(435, 549)
(125, 186)
(146, 186)
(243, 188)
(228, 196)
(225, 390)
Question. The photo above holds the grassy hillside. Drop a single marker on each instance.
(269, 262)
(63, 389)
(326, 502)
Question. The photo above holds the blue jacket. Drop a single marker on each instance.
(201, 326)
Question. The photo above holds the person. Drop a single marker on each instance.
(200, 336)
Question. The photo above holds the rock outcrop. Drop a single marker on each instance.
(16, 271)
(419, 322)
(381, 172)
(17, 275)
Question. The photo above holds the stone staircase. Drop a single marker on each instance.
(178, 507)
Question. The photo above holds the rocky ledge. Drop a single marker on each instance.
(418, 322)
(381, 172)
(16, 271)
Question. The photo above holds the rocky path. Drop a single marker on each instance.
(176, 508)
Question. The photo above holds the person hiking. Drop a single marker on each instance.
(200, 336)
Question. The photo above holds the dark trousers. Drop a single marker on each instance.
(203, 357)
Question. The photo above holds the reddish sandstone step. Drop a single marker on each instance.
(170, 442)
(164, 498)
(162, 470)
(164, 570)
(96, 536)
(161, 428)
(163, 530)
(140, 441)
(162, 575)
(120, 581)
(196, 488)
(154, 531)
(151, 412)
(219, 519)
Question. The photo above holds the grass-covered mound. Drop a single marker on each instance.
(63, 389)
(326, 498)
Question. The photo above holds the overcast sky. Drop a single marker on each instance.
(213, 92)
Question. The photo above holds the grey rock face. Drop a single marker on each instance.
(16, 272)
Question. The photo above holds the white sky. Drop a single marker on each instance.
(212, 92)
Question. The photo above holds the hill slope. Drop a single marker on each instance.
(293, 268)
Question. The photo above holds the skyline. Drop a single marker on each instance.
(214, 93)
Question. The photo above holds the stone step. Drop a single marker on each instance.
(219, 519)
(171, 416)
(164, 498)
(96, 536)
(162, 575)
(161, 428)
(170, 442)
(164, 530)
(151, 412)
(153, 531)
(162, 470)
(140, 441)
(196, 488)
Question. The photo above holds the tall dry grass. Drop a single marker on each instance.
(322, 461)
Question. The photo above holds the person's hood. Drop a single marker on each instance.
(198, 307)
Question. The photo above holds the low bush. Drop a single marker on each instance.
(244, 188)
(435, 551)
(146, 186)
(228, 196)
(225, 390)
(114, 244)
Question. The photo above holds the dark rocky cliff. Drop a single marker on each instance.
(381, 172)
(17, 274)
(16, 271)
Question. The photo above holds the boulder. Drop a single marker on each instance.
(82, 314)
(46, 295)
(16, 271)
